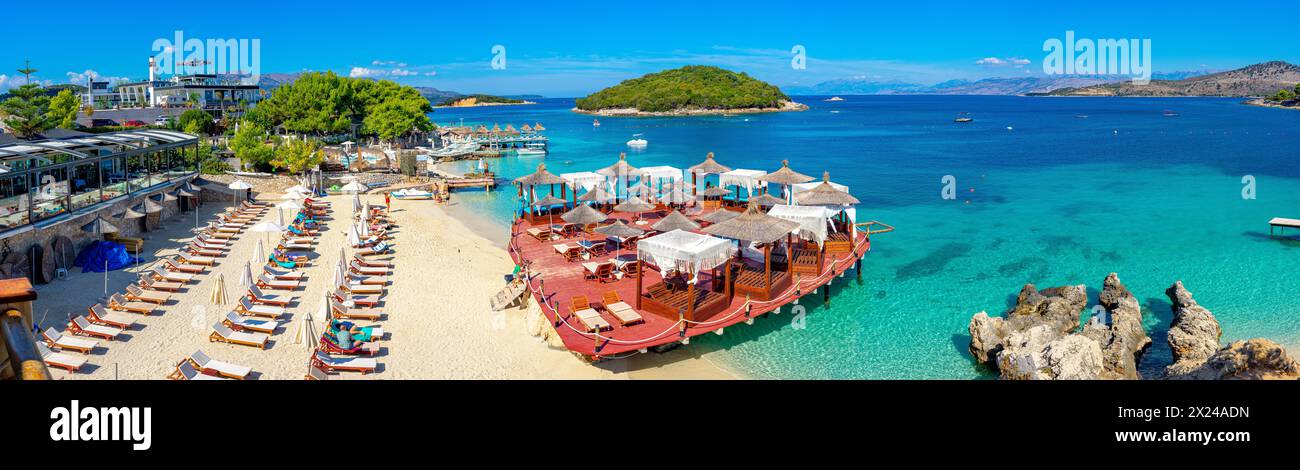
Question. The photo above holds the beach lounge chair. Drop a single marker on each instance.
(364, 289)
(212, 366)
(364, 365)
(252, 208)
(222, 334)
(120, 303)
(98, 315)
(603, 272)
(82, 327)
(352, 300)
(541, 234)
(225, 228)
(366, 280)
(625, 314)
(256, 296)
(61, 341)
(60, 360)
(588, 316)
(355, 313)
(206, 240)
(569, 252)
(632, 269)
(299, 260)
(380, 249)
(196, 260)
(314, 373)
(187, 268)
(232, 221)
(286, 245)
(135, 293)
(161, 274)
(272, 261)
(241, 323)
(364, 348)
(372, 262)
(212, 232)
(185, 371)
(197, 250)
(367, 270)
(266, 282)
(370, 333)
(247, 307)
(149, 284)
(285, 275)
(206, 245)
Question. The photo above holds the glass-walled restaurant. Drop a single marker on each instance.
(43, 180)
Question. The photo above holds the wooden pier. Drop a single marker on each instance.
(1281, 225)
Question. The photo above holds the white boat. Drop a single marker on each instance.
(638, 142)
(412, 195)
(531, 150)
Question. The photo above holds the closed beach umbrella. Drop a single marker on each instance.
(306, 332)
(219, 290)
(259, 254)
(825, 195)
(246, 277)
(354, 239)
(676, 221)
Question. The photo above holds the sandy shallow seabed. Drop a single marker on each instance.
(438, 323)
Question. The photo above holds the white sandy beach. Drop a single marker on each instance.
(438, 323)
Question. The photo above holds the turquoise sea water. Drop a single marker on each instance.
(1058, 199)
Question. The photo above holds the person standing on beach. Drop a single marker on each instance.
(388, 203)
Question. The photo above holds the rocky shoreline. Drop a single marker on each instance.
(786, 106)
(1040, 339)
(1263, 103)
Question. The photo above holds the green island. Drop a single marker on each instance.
(479, 100)
(690, 90)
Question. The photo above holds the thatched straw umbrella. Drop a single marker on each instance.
(719, 216)
(825, 195)
(527, 129)
(496, 128)
(767, 200)
(618, 170)
(597, 194)
(676, 221)
(786, 177)
(510, 129)
(634, 205)
(539, 127)
(132, 215)
(584, 215)
(549, 202)
(755, 226)
(705, 168)
(620, 230)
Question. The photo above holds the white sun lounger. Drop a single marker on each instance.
(224, 368)
(171, 276)
(99, 331)
(101, 315)
(260, 297)
(186, 371)
(357, 364)
(251, 324)
(61, 360)
(223, 334)
(247, 307)
(62, 341)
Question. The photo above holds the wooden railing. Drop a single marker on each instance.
(870, 228)
(22, 360)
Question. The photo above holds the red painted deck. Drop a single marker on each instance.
(555, 281)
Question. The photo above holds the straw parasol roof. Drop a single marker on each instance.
(621, 230)
(510, 129)
(618, 169)
(767, 200)
(163, 197)
(526, 128)
(716, 191)
(549, 200)
(99, 226)
(496, 128)
(634, 205)
(482, 129)
(709, 167)
(676, 221)
(584, 215)
(597, 194)
(786, 176)
(753, 225)
(539, 127)
(541, 177)
(129, 214)
(825, 195)
(719, 216)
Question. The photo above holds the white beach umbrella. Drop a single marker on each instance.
(267, 227)
(306, 332)
(246, 277)
(355, 187)
(239, 185)
(298, 189)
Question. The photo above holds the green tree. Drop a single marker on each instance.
(195, 121)
(64, 108)
(398, 116)
(26, 113)
(249, 145)
(297, 156)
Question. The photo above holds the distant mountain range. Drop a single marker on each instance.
(272, 81)
(1256, 80)
(987, 86)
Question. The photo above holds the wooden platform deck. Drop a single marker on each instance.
(1281, 224)
(554, 281)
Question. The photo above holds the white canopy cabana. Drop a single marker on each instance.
(655, 174)
(585, 180)
(813, 220)
(747, 179)
(685, 252)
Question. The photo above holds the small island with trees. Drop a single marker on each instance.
(1285, 98)
(688, 91)
(480, 100)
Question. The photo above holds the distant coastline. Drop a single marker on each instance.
(1263, 103)
(480, 105)
(786, 106)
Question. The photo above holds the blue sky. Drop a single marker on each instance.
(575, 47)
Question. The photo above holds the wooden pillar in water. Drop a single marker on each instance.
(640, 274)
(727, 280)
(690, 301)
(767, 267)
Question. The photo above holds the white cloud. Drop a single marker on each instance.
(387, 63)
(362, 72)
(1000, 62)
(402, 73)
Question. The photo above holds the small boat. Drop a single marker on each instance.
(595, 123)
(1171, 113)
(964, 118)
(834, 99)
(638, 142)
(412, 195)
(1082, 116)
(531, 150)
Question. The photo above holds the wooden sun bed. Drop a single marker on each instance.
(185, 371)
(355, 313)
(61, 341)
(247, 307)
(222, 334)
(284, 275)
(373, 263)
(188, 268)
(364, 365)
(362, 289)
(588, 316)
(80, 326)
(197, 260)
(224, 369)
(135, 293)
(367, 270)
(57, 359)
(620, 309)
(357, 300)
(258, 297)
(241, 323)
(148, 284)
(121, 304)
(97, 314)
(200, 251)
(367, 280)
(163, 275)
(266, 282)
